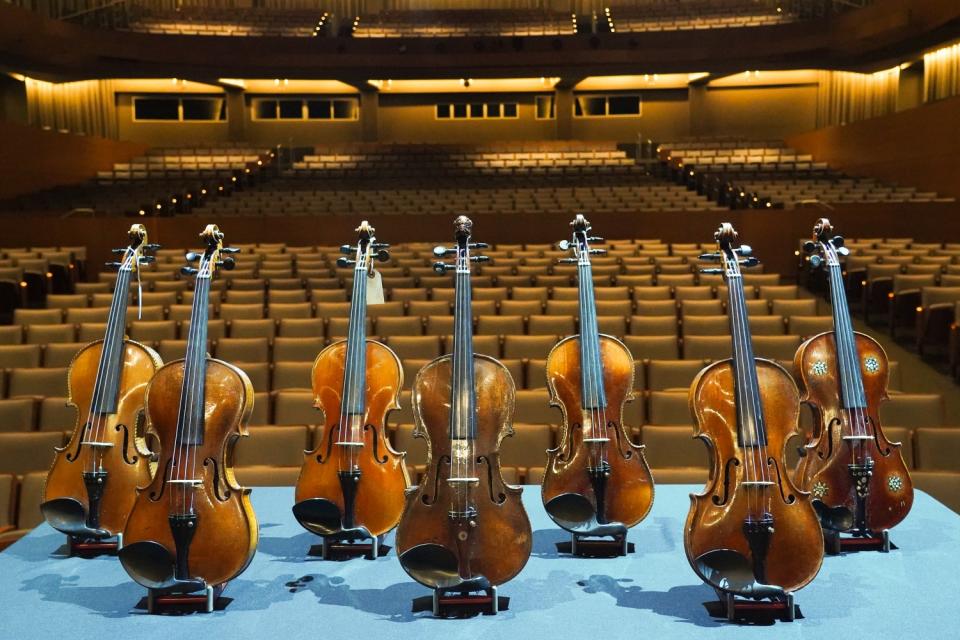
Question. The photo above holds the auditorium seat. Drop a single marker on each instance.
(271, 456)
(528, 347)
(48, 333)
(668, 408)
(296, 407)
(37, 382)
(664, 375)
(17, 414)
(292, 375)
(301, 328)
(243, 350)
(652, 347)
(665, 325)
(913, 410)
(527, 447)
(297, 349)
(533, 407)
(24, 355)
(399, 326)
(265, 328)
(674, 455)
(21, 453)
(550, 325)
(415, 347)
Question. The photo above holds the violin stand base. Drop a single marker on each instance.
(596, 547)
(159, 600)
(836, 543)
(370, 548)
(80, 546)
(454, 603)
(745, 610)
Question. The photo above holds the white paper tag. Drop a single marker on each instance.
(374, 288)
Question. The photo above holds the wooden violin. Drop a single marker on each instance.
(597, 481)
(751, 532)
(193, 526)
(463, 528)
(857, 477)
(91, 486)
(352, 483)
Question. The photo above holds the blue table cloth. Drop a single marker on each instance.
(652, 593)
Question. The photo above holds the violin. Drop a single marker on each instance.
(858, 478)
(92, 483)
(463, 528)
(193, 527)
(597, 481)
(352, 483)
(752, 532)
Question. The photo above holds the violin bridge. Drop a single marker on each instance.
(463, 481)
(757, 483)
(187, 481)
(92, 443)
(596, 439)
(346, 443)
(858, 437)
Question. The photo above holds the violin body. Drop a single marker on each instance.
(125, 459)
(224, 539)
(437, 550)
(571, 494)
(716, 544)
(375, 501)
(824, 469)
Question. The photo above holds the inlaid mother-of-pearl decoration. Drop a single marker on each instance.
(871, 364)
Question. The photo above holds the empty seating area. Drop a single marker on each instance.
(670, 15)
(166, 180)
(282, 304)
(773, 173)
(463, 23)
(227, 21)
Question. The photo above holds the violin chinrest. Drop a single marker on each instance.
(731, 571)
(319, 515)
(434, 564)
(575, 513)
(69, 516)
(838, 518)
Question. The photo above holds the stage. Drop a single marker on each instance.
(652, 593)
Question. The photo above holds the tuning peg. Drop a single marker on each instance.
(478, 245)
(441, 251)
(563, 245)
(843, 251)
(815, 261)
(442, 267)
(118, 252)
(380, 245)
(567, 261)
(113, 265)
(153, 246)
(147, 259)
(809, 246)
(711, 257)
(479, 258)
(837, 241)
(345, 262)
(227, 264)
(188, 271)
(192, 256)
(383, 255)
(595, 239)
(744, 250)
(598, 252)
(230, 250)
(711, 271)
(749, 262)
(345, 248)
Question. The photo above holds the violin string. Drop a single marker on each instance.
(189, 366)
(742, 405)
(175, 472)
(585, 356)
(345, 429)
(198, 374)
(92, 433)
(845, 343)
(460, 374)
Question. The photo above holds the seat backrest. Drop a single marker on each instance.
(938, 449)
(273, 446)
(22, 355)
(18, 414)
(37, 382)
(31, 494)
(22, 453)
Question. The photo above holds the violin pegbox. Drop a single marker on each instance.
(212, 258)
(366, 250)
(732, 257)
(823, 247)
(135, 253)
(463, 227)
(579, 244)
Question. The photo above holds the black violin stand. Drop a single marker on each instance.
(751, 611)
(455, 602)
(594, 546)
(349, 544)
(835, 543)
(164, 600)
(84, 546)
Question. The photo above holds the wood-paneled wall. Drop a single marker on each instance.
(35, 159)
(918, 147)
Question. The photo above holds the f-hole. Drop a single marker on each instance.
(221, 496)
(376, 444)
(625, 451)
(787, 498)
(71, 457)
(426, 498)
(500, 498)
(884, 451)
(321, 458)
(126, 444)
(720, 501)
(154, 496)
(835, 423)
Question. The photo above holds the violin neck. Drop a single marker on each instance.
(592, 394)
(192, 393)
(848, 359)
(107, 384)
(355, 367)
(463, 414)
(751, 428)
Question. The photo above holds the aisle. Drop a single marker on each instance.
(651, 594)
